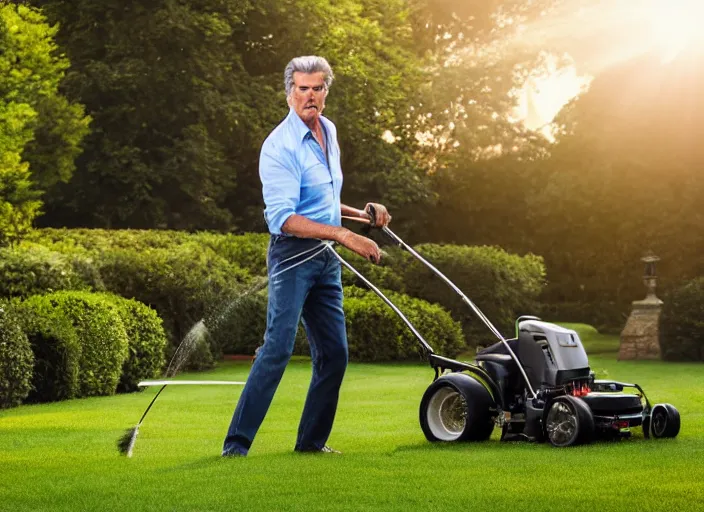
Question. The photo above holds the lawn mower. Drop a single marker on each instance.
(537, 386)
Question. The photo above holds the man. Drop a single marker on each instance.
(301, 179)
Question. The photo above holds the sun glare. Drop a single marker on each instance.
(598, 36)
(675, 26)
(542, 97)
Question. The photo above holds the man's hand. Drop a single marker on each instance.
(381, 214)
(365, 247)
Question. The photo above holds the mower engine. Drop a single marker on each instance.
(566, 372)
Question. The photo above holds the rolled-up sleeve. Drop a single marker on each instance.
(281, 185)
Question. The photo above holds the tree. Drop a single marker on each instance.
(182, 97)
(624, 180)
(19, 203)
(170, 113)
(40, 131)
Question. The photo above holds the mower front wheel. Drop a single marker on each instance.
(457, 407)
(568, 422)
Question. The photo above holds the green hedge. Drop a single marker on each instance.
(56, 348)
(247, 251)
(682, 323)
(16, 360)
(388, 275)
(238, 328)
(79, 338)
(146, 342)
(186, 277)
(374, 331)
(181, 283)
(502, 285)
(97, 241)
(102, 338)
(180, 275)
(30, 269)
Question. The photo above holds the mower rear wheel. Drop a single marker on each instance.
(664, 421)
(457, 407)
(568, 422)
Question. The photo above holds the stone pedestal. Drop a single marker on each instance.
(640, 339)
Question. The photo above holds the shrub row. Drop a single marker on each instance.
(35, 269)
(16, 360)
(503, 286)
(374, 331)
(183, 275)
(81, 344)
(56, 347)
(182, 282)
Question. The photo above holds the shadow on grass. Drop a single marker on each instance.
(456, 447)
(495, 445)
(215, 460)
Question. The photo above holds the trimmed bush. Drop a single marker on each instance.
(682, 323)
(186, 276)
(16, 360)
(30, 269)
(239, 327)
(247, 251)
(389, 274)
(57, 351)
(182, 283)
(502, 285)
(96, 241)
(102, 339)
(196, 354)
(173, 272)
(376, 333)
(146, 342)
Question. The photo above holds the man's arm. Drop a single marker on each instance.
(300, 226)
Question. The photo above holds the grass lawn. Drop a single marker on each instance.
(62, 456)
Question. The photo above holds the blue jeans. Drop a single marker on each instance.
(312, 290)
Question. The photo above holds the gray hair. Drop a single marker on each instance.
(307, 64)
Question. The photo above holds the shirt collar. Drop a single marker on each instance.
(300, 128)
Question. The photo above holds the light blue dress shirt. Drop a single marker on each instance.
(296, 177)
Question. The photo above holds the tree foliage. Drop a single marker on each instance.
(182, 95)
(625, 180)
(40, 130)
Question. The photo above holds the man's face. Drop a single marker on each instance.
(308, 95)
